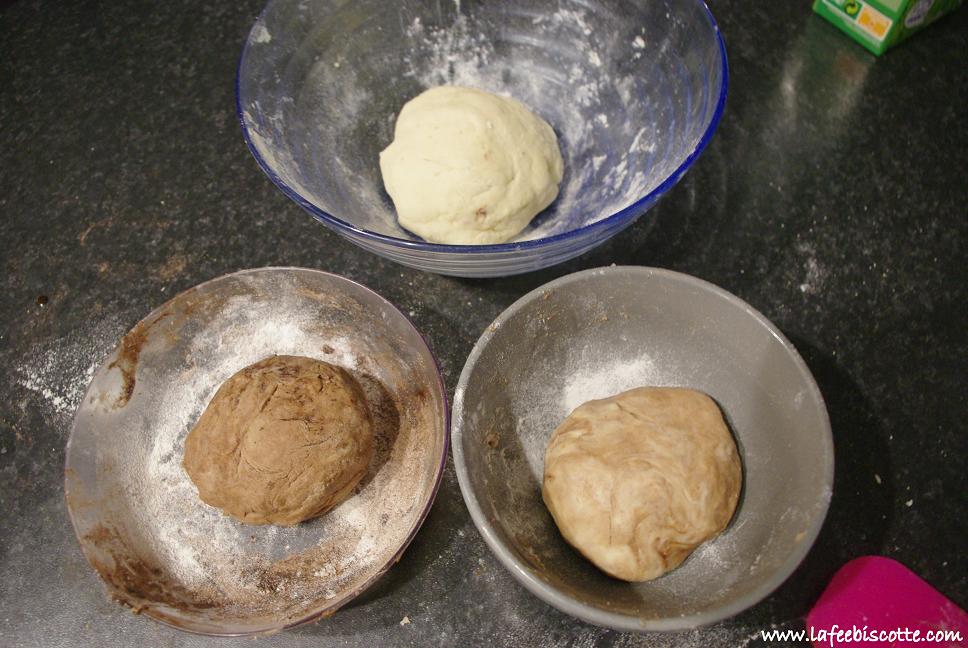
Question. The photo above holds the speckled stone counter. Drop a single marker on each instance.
(832, 199)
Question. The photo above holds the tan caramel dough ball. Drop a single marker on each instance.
(635, 482)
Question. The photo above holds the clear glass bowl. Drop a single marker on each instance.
(633, 89)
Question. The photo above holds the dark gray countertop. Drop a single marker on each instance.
(829, 199)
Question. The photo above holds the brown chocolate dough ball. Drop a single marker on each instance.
(635, 482)
(282, 441)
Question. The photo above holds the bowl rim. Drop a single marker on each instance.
(571, 605)
(392, 560)
(620, 218)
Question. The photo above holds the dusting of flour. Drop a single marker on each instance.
(457, 54)
(58, 372)
(607, 381)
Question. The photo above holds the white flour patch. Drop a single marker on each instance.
(607, 381)
(276, 157)
(58, 402)
(813, 271)
(589, 377)
(60, 372)
(457, 56)
(260, 34)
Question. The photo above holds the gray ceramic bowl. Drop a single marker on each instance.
(159, 549)
(596, 333)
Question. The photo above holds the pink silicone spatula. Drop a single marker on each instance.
(883, 595)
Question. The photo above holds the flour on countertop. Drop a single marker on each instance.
(62, 398)
(60, 372)
(813, 271)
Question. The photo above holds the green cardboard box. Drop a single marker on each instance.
(881, 24)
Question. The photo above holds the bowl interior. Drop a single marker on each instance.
(157, 546)
(631, 88)
(594, 334)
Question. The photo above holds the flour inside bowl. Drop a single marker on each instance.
(583, 386)
(462, 54)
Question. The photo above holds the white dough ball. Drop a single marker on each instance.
(635, 482)
(469, 167)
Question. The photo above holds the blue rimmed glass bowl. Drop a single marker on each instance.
(633, 89)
